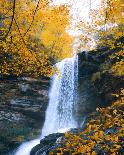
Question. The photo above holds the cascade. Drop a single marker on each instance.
(62, 103)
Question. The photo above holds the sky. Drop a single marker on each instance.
(80, 8)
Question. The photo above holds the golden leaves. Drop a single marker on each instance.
(36, 37)
(67, 145)
(118, 68)
(105, 27)
(104, 133)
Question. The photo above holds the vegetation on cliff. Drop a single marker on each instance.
(104, 133)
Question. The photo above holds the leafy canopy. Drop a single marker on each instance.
(32, 36)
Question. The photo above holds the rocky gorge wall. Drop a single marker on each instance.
(96, 85)
(23, 103)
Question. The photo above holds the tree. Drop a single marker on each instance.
(32, 36)
(106, 29)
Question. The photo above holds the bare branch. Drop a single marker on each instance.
(14, 4)
(33, 18)
(2, 18)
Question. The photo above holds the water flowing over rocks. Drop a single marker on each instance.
(94, 90)
(62, 98)
(24, 101)
(62, 103)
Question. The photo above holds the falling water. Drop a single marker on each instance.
(62, 102)
(59, 115)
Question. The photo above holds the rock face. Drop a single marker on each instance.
(96, 85)
(23, 103)
(89, 97)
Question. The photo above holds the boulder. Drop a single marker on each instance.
(47, 144)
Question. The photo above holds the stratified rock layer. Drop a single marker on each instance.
(23, 103)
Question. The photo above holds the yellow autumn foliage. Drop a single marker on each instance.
(105, 29)
(104, 132)
(32, 36)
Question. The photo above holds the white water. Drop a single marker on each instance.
(25, 148)
(62, 97)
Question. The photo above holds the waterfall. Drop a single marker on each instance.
(62, 102)
(59, 114)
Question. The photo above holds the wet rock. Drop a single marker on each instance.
(51, 138)
(47, 144)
